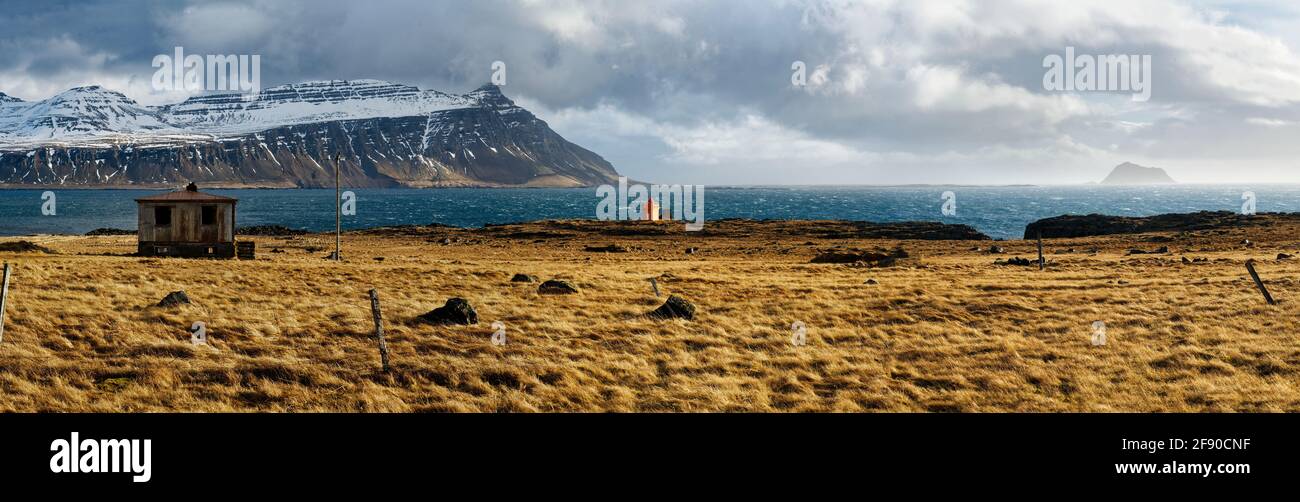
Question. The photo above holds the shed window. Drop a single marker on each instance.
(162, 215)
(209, 215)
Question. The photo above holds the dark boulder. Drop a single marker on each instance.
(557, 287)
(675, 308)
(175, 298)
(523, 278)
(456, 311)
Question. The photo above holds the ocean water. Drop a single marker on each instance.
(1000, 212)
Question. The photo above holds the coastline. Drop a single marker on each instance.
(1056, 227)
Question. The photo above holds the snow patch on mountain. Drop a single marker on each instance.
(92, 116)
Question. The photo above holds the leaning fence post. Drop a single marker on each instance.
(1250, 267)
(4, 297)
(379, 328)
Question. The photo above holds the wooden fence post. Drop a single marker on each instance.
(1250, 267)
(1041, 263)
(379, 328)
(4, 297)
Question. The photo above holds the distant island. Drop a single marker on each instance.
(1129, 173)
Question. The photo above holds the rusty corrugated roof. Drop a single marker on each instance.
(186, 196)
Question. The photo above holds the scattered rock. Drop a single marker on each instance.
(379, 258)
(446, 241)
(1159, 250)
(996, 250)
(24, 247)
(269, 230)
(692, 250)
(675, 308)
(1017, 261)
(1247, 243)
(975, 248)
(175, 298)
(612, 248)
(456, 311)
(277, 250)
(1284, 256)
(110, 231)
(1185, 260)
(557, 287)
(331, 256)
(1122, 281)
(523, 278)
(878, 258)
(871, 281)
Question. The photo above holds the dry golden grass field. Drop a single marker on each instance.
(945, 330)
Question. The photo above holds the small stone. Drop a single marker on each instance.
(523, 278)
(871, 281)
(996, 250)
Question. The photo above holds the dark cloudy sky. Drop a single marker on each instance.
(900, 91)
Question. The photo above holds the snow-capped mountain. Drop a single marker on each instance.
(306, 103)
(78, 113)
(386, 134)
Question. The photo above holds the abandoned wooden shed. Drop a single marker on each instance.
(188, 223)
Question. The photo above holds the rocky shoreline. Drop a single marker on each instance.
(1069, 226)
(1057, 227)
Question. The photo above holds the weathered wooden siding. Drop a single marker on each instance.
(186, 223)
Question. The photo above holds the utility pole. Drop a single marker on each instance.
(338, 212)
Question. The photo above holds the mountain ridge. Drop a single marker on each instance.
(385, 135)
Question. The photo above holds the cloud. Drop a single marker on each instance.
(945, 89)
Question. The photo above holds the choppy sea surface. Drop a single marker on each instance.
(1000, 212)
